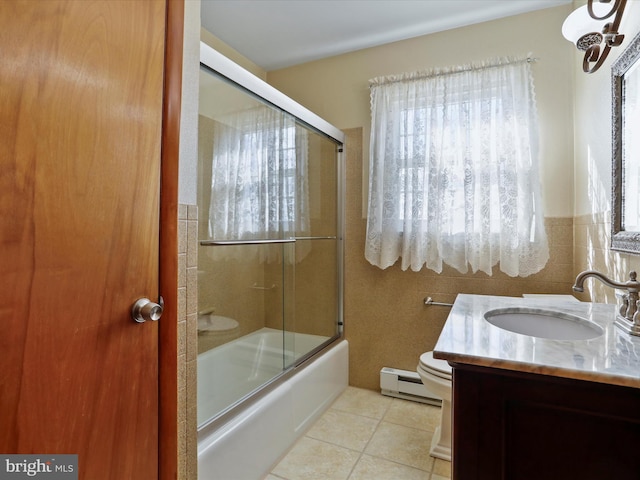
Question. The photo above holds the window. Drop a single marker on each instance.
(454, 171)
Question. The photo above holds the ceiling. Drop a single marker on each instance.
(280, 33)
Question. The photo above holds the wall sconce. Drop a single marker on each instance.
(587, 27)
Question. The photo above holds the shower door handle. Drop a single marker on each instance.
(144, 309)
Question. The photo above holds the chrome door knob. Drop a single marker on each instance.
(144, 309)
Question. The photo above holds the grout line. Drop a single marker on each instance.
(329, 443)
(375, 430)
(277, 476)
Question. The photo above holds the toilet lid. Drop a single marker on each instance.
(216, 323)
(435, 366)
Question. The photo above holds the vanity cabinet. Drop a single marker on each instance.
(519, 426)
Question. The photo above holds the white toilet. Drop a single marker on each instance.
(436, 377)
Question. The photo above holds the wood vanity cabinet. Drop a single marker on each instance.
(520, 426)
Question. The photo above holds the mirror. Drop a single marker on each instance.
(625, 211)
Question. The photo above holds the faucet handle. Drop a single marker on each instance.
(632, 285)
(624, 306)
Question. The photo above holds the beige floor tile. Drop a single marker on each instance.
(362, 402)
(312, 459)
(272, 477)
(369, 468)
(438, 477)
(413, 414)
(344, 429)
(442, 468)
(406, 445)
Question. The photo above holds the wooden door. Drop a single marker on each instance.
(81, 86)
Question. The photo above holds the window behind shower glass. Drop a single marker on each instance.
(267, 186)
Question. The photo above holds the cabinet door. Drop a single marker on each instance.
(523, 426)
(81, 120)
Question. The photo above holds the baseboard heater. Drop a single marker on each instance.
(406, 385)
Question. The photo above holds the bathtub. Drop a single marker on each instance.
(249, 442)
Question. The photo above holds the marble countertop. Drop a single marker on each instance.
(612, 358)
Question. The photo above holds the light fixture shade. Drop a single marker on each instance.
(579, 22)
(595, 36)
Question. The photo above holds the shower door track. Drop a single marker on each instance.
(206, 243)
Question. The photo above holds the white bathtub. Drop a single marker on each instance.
(248, 445)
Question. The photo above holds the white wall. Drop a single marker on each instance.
(592, 142)
(188, 168)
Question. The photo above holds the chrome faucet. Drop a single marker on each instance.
(628, 317)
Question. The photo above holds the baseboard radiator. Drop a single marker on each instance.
(406, 385)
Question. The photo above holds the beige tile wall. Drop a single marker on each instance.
(187, 341)
(386, 322)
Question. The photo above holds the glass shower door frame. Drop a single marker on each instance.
(223, 67)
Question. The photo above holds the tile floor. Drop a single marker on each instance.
(367, 436)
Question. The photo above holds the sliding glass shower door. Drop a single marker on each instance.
(269, 261)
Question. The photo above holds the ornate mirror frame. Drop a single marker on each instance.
(622, 239)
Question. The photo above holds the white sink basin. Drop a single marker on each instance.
(541, 323)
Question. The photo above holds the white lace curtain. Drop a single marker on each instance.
(259, 187)
(454, 170)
